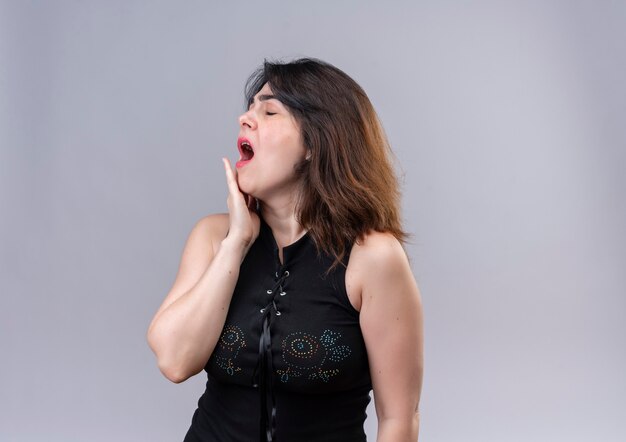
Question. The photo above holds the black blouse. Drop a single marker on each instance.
(291, 364)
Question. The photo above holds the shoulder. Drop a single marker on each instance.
(213, 223)
(210, 230)
(377, 254)
(376, 259)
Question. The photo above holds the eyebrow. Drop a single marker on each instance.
(266, 97)
(263, 97)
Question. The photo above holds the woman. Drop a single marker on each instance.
(300, 300)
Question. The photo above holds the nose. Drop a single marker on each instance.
(246, 119)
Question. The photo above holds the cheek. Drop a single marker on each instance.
(295, 147)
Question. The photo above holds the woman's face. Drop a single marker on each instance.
(270, 147)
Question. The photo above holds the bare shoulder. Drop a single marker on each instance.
(379, 253)
(201, 245)
(376, 259)
(377, 247)
(210, 229)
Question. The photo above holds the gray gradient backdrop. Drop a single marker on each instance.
(507, 119)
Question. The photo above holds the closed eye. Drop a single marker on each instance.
(270, 113)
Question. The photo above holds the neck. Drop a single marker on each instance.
(281, 218)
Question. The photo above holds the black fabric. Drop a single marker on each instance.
(291, 363)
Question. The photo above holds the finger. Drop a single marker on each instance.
(248, 199)
(236, 175)
(231, 181)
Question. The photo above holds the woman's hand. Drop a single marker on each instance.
(244, 222)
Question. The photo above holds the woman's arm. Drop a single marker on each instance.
(391, 322)
(185, 329)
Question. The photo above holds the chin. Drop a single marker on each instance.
(245, 187)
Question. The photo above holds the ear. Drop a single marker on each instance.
(308, 155)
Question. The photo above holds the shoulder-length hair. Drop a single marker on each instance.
(348, 185)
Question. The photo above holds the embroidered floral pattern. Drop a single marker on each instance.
(308, 355)
(227, 348)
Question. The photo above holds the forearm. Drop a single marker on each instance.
(398, 430)
(184, 335)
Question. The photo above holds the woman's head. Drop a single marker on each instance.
(271, 148)
(346, 178)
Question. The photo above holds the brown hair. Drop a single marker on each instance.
(349, 186)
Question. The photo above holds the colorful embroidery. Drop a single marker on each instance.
(227, 348)
(306, 354)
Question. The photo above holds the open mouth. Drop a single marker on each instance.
(246, 151)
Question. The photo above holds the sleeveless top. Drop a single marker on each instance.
(290, 364)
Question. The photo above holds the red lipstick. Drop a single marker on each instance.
(246, 151)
